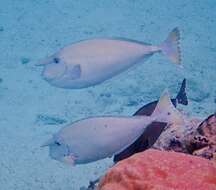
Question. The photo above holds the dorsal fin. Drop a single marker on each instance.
(166, 112)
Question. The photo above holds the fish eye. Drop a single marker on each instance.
(56, 60)
(57, 143)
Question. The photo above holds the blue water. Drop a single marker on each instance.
(31, 110)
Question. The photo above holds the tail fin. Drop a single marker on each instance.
(166, 112)
(182, 96)
(171, 47)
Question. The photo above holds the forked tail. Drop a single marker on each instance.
(171, 46)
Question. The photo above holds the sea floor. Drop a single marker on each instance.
(31, 110)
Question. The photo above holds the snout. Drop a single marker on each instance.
(47, 75)
(68, 160)
(53, 71)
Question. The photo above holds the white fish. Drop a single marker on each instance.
(90, 62)
(97, 138)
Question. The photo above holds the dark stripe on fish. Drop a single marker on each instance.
(145, 141)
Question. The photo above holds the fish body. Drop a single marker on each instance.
(90, 62)
(96, 138)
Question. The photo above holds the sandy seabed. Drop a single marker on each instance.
(31, 110)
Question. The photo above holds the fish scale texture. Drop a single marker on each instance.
(161, 170)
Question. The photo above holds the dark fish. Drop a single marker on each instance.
(154, 130)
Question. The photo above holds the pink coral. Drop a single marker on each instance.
(160, 170)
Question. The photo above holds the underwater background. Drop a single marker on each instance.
(31, 110)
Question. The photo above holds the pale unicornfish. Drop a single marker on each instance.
(90, 62)
(96, 138)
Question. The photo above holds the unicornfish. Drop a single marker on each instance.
(90, 62)
(96, 138)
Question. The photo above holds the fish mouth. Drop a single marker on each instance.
(51, 70)
(47, 78)
(68, 160)
(53, 73)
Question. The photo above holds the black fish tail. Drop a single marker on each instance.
(181, 97)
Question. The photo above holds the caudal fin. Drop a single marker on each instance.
(171, 46)
(166, 112)
(182, 96)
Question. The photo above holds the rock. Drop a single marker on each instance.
(194, 137)
(25, 60)
(204, 143)
(107, 95)
(175, 137)
(49, 120)
(160, 170)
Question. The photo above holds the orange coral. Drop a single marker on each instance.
(160, 170)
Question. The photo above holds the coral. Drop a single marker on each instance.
(175, 137)
(160, 170)
(194, 137)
